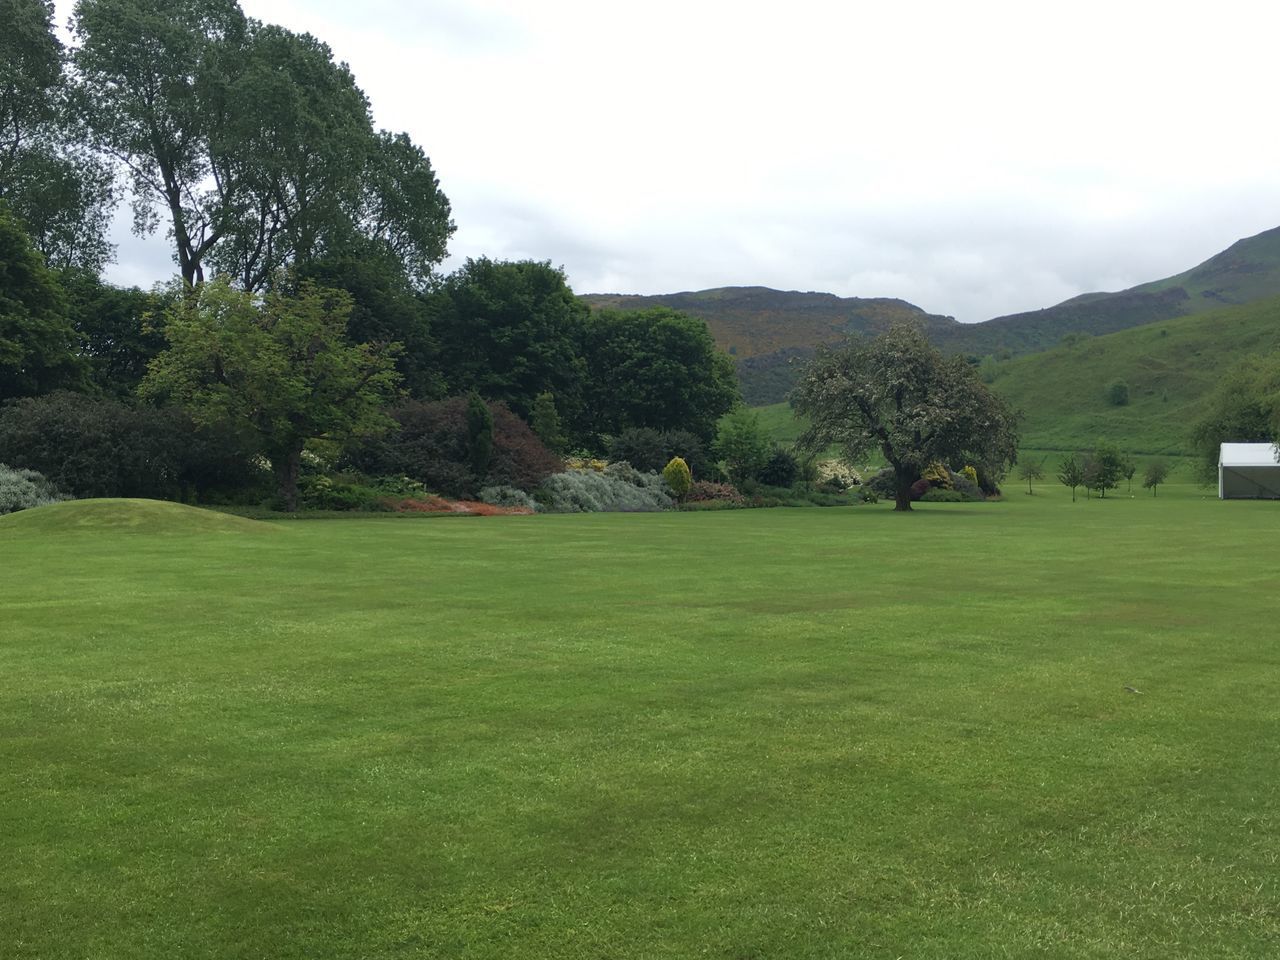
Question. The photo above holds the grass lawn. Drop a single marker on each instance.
(751, 734)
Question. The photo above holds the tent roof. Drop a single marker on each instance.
(1248, 455)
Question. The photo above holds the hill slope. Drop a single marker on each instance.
(1169, 367)
(770, 332)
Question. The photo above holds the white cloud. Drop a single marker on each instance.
(975, 159)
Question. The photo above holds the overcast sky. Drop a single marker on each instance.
(973, 158)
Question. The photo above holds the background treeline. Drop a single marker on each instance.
(308, 329)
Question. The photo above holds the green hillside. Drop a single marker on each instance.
(771, 333)
(1168, 366)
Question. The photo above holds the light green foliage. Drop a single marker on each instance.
(279, 370)
(969, 471)
(897, 396)
(937, 475)
(678, 477)
(545, 421)
(743, 445)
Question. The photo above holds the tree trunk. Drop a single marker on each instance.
(288, 465)
(902, 496)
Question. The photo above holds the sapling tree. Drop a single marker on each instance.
(1157, 471)
(1029, 471)
(1071, 474)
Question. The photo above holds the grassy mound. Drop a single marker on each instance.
(125, 516)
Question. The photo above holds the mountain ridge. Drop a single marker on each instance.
(771, 332)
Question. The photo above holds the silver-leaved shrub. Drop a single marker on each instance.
(619, 488)
(23, 489)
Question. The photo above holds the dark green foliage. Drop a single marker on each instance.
(61, 192)
(781, 469)
(254, 145)
(898, 396)
(511, 330)
(1071, 473)
(430, 444)
(654, 368)
(1157, 471)
(119, 330)
(101, 447)
(38, 348)
(479, 435)
(642, 447)
(1118, 394)
(942, 495)
(1103, 469)
(545, 422)
(384, 309)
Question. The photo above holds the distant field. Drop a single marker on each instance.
(773, 733)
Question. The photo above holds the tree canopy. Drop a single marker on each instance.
(656, 368)
(38, 347)
(897, 395)
(278, 370)
(255, 145)
(58, 188)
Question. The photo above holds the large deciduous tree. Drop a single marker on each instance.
(279, 369)
(898, 396)
(257, 147)
(656, 368)
(153, 90)
(62, 192)
(511, 331)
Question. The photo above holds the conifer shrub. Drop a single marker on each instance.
(679, 479)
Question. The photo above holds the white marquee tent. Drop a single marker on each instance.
(1248, 471)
